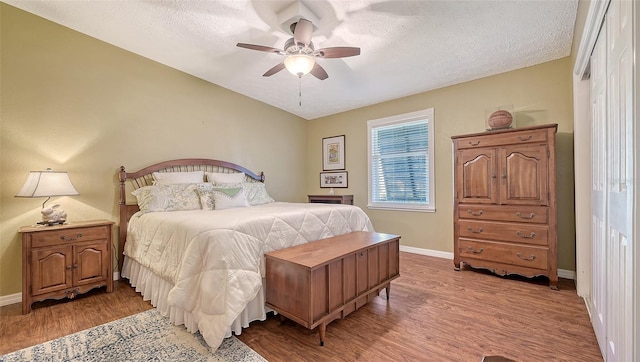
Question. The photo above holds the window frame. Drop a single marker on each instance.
(427, 114)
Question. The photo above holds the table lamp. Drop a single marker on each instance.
(47, 184)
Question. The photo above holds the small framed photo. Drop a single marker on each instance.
(333, 179)
(333, 153)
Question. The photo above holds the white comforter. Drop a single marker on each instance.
(215, 259)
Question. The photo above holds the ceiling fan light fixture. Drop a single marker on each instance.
(299, 64)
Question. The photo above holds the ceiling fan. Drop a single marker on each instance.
(300, 52)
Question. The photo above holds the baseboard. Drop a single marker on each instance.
(10, 299)
(427, 252)
(17, 298)
(562, 273)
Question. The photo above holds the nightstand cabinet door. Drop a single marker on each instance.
(51, 269)
(90, 263)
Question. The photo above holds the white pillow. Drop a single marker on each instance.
(169, 197)
(225, 178)
(256, 193)
(229, 197)
(190, 177)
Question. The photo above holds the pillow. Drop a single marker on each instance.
(225, 178)
(191, 177)
(205, 193)
(169, 197)
(229, 197)
(256, 193)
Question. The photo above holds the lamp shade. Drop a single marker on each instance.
(299, 64)
(46, 184)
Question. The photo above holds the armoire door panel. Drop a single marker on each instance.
(477, 181)
(524, 175)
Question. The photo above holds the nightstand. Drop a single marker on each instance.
(331, 199)
(63, 261)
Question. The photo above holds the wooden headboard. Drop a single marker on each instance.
(144, 177)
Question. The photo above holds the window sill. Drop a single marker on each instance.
(401, 208)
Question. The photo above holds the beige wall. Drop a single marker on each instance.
(540, 94)
(71, 102)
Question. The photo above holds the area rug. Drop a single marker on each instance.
(146, 336)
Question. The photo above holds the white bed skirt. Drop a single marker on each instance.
(156, 290)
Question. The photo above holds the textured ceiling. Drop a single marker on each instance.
(407, 47)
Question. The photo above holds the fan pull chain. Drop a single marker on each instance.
(300, 91)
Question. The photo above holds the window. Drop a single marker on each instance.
(401, 162)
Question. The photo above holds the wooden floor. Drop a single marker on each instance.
(434, 314)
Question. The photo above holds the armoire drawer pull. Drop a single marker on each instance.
(474, 251)
(520, 138)
(522, 235)
(475, 231)
(478, 213)
(532, 257)
(530, 216)
(474, 143)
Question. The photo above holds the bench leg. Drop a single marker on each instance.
(322, 328)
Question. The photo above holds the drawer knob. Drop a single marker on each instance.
(71, 238)
(478, 213)
(530, 216)
(522, 235)
(532, 257)
(474, 251)
(520, 138)
(475, 231)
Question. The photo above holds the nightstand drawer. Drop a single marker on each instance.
(331, 199)
(57, 237)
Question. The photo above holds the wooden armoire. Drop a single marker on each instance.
(505, 201)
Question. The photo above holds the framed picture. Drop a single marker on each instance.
(333, 153)
(333, 179)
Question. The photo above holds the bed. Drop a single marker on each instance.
(203, 267)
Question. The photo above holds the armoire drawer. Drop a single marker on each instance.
(503, 231)
(514, 254)
(502, 139)
(525, 214)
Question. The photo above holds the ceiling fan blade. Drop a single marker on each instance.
(337, 52)
(274, 70)
(261, 48)
(319, 72)
(302, 32)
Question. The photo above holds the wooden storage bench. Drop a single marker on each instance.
(318, 282)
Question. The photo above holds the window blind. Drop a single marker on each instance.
(400, 163)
